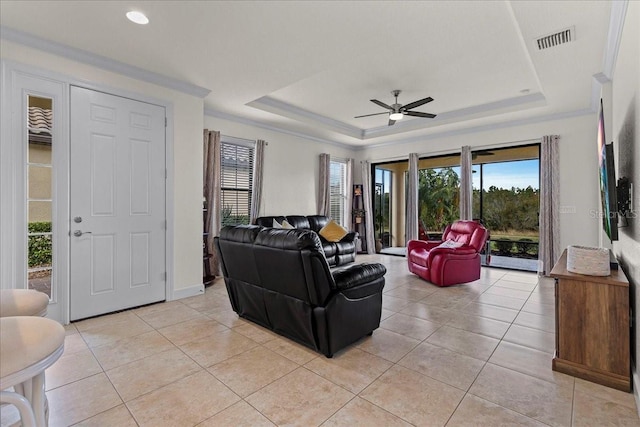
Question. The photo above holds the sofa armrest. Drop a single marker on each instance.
(358, 275)
(350, 237)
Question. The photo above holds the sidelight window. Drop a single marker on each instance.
(39, 167)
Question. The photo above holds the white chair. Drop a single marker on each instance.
(23, 302)
(29, 346)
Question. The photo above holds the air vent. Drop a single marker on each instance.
(560, 37)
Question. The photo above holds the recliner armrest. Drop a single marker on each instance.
(422, 244)
(464, 250)
(358, 275)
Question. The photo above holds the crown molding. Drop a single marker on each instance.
(421, 138)
(614, 36)
(284, 109)
(101, 62)
(245, 121)
(484, 128)
(291, 112)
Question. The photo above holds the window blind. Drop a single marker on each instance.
(338, 190)
(236, 182)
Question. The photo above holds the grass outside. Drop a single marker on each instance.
(515, 243)
(514, 235)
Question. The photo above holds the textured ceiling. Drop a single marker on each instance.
(310, 67)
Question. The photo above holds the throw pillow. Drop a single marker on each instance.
(333, 232)
(286, 225)
(276, 224)
(450, 244)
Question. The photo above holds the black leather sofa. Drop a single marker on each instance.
(280, 279)
(337, 253)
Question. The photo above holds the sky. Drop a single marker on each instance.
(519, 174)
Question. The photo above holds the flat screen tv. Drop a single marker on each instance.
(607, 171)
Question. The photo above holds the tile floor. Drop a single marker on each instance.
(470, 355)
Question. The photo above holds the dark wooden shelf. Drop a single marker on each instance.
(206, 256)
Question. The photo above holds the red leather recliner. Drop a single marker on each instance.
(449, 266)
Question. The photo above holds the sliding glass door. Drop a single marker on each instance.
(382, 210)
(506, 199)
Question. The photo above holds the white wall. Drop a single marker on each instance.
(625, 136)
(187, 137)
(290, 166)
(578, 166)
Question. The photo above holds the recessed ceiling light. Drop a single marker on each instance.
(137, 17)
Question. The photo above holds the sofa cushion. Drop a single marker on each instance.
(333, 232)
(317, 222)
(287, 226)
(298, 221)
(284, 224)
(267, 221)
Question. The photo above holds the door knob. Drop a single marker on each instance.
(79, 233)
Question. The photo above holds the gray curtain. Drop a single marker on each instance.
(348, 218)
(256, 189)
(211, 188)
(411, 223)
(324, 190)
(549, 250)
(369, 238)
(466, 184)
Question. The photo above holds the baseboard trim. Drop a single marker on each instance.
(189, 291)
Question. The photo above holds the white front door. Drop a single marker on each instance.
(117, 203)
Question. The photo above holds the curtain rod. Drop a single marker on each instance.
(457, 150)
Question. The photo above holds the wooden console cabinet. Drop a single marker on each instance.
(592, 326)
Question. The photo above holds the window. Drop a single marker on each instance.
(382, 208)
(236, 181)
(338, 191)
(40, 195)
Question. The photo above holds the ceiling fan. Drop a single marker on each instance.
(398, 111)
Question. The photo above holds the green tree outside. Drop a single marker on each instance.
(507, 213)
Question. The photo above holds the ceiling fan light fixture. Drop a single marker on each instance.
(137, 17)
(396, 116)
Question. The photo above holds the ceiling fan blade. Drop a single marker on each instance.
(367, 115)
(417, 103)
(419, 114)
(382, 104)
(391, 122)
